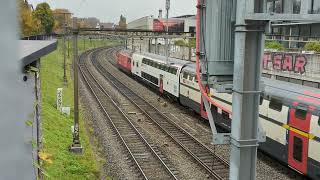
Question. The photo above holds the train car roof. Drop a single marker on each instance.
(126, 51)
(292, 93)
(190, 67)
(162, 59)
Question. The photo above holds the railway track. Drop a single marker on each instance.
(149, 162)
(214, 164)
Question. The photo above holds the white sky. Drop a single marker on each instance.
(110, 11)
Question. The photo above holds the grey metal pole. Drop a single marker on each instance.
(167, 30)
(149, 45)
(245, 106)
(76, 145)
(132, 46)
(64, 53)
(126, 43)
(156, 46)
(84, 43)
(68, 46)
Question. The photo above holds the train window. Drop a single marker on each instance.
(157, 65)
(144, 61)
(319, 121)
(214, 108)
(261, 100)
(137, 64)
(162, 67)
(225, 115)
(297, 149)
(191, 77)
(275, 105)
(185, 75)
(296, 81)
(167, 68)
(301, 114)
(133, 63)
(175, 71)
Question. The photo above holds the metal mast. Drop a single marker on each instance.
(249, 46)
(245, 25)
(167, 30)
(76, 145)
(64, 50)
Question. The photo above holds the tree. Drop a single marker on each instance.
(186, 43)
(44, 14)
(62, 17)
(274, 45)
(312, 46)
(28, 24)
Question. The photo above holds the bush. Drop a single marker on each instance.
(312, 46)
(274, 45)
(185, 43)
(180, 42)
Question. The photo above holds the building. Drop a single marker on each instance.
(145, 23)
(63, 18)
(185, 23)
(90, 22)
(294, 34)
(105, 25)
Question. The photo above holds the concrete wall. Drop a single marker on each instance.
(298, 68)
(292, 66)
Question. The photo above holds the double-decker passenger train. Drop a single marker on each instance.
(289, 113)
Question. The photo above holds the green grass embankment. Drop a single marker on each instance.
(58, 162)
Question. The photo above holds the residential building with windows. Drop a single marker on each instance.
(294, 35)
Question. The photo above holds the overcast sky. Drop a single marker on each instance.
(110, 10)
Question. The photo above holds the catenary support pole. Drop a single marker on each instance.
(64, 52)
(68, 39)
(167, 31)
(132, 45)
(245, 103)
(76, 145)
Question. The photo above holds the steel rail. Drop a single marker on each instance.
(100, 88)
(172, 129)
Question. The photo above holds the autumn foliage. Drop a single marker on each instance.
(35, 22)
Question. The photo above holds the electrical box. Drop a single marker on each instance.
(217, 24)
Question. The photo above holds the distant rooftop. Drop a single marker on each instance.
(186, 16)
(32, 50)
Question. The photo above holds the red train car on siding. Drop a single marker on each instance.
(124, 61)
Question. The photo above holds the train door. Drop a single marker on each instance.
(298, 141)
(161, 84)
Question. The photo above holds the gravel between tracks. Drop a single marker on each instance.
(267, 168)
(179, 159)
(117, 164)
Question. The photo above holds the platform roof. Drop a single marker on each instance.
(32, 50)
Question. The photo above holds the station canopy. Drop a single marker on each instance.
(33, 50)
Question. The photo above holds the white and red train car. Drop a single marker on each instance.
(289, 113)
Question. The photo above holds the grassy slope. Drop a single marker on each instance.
(57, 128)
